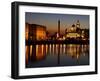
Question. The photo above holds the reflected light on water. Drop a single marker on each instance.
(36, 53)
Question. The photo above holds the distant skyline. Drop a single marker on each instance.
(51, 20)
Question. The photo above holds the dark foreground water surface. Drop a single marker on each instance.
(51, 55)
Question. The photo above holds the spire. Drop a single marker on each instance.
(78, 24)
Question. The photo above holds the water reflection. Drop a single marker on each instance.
(56, 55)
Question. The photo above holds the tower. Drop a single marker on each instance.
(59, 27)
(78, 24)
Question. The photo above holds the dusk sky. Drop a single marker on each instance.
(51, 20)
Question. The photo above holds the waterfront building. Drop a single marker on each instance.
(74, 31)
(35, 32)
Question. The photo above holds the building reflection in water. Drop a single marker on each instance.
(39, 54)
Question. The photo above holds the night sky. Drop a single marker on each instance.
(51, 20)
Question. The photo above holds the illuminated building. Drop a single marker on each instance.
(35, 32)
(74, 31)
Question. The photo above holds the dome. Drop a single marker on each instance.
(73, 25)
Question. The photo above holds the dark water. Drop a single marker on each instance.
(56, 55)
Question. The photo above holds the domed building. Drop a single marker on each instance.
(74, 31)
